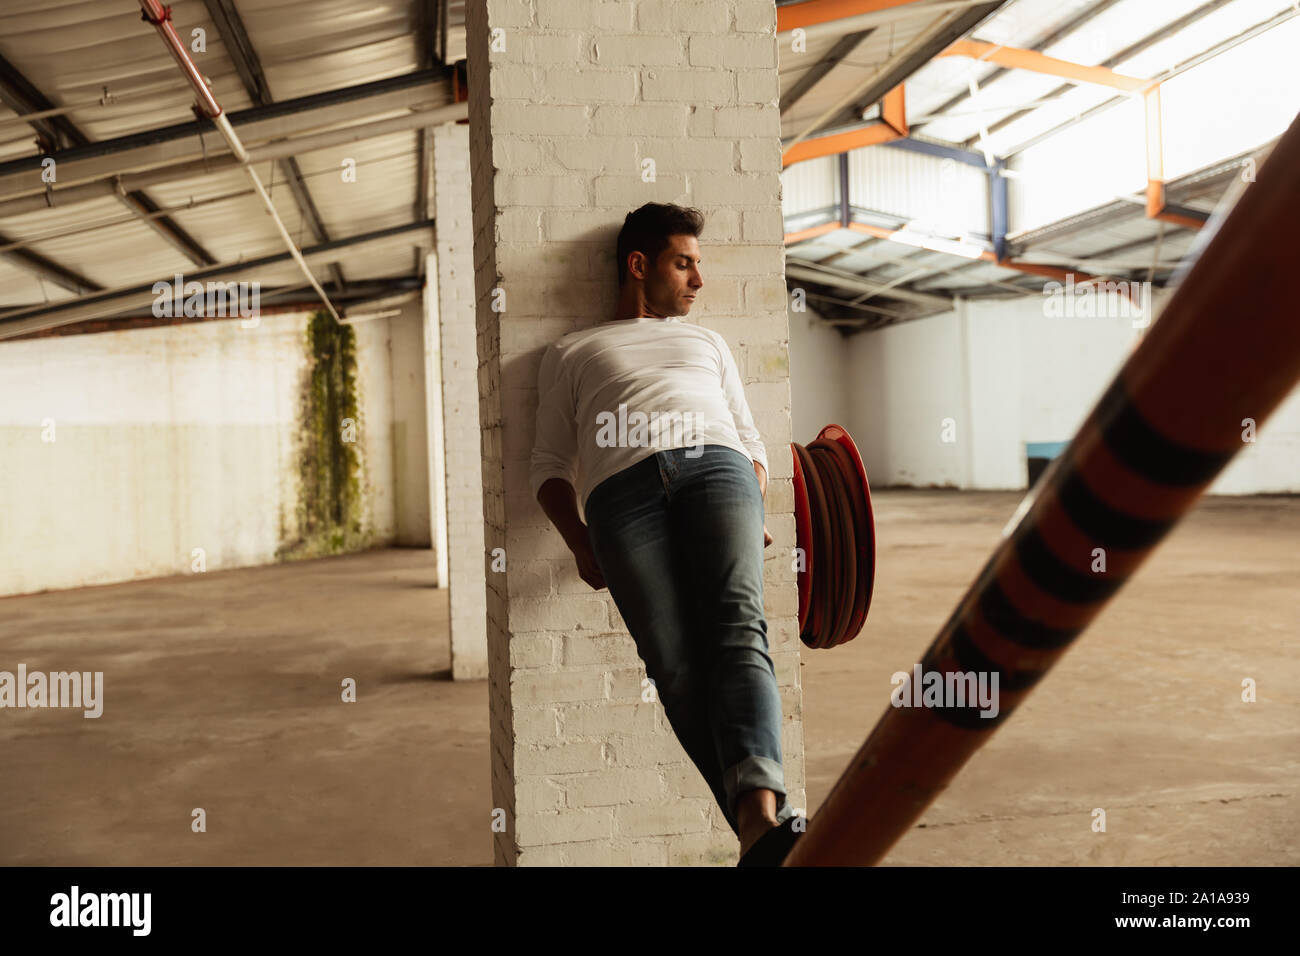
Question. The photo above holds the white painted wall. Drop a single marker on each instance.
(375, 430)
(1271, 465)
(905, 381)
(819, 377)
(997, 406)
(1006, 374)
(436, 446)
(168, 439)
(410, 443)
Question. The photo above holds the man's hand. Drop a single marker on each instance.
(761, 474)
(588, 569)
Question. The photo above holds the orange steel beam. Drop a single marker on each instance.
(812, 232)
(880, 232)
(891, 125)
(823, 11)
(1225, 349)
(1049, 272)
(1014, 58)
(877, 132)
(1017, 59)
(1155, 153)
(1156, 202)
(1179, 220)
(1128, 289)
(893, 110)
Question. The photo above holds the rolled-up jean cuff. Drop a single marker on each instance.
(756, 773)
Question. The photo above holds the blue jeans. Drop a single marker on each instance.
(679, 540)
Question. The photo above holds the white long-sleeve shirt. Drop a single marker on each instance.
(680, 378)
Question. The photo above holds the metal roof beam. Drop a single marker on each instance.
(14, 85)
(19, 95)
(49, 270)
(240, 48)
(1034, 62)
(429, 15)
(871, 92)
(156, 147)
(198, 168)
(857, 305)
(58, 131)
(443, 18)
(843, 48)
(109, 302)
(1183, 67)
(794, 14)
(277, 299)
(933, 270)
(1130, 207)
(1055, 36)
(891, 125)
(811, 271)
(1132, 50)
(147, 211)
(940, 151)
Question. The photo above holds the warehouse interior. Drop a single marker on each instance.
(277, 531)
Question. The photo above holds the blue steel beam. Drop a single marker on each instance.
(939, 151)
(998, 209)
(997, 182)
(845, 215)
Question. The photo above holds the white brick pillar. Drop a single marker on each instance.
(568, 100)
(463, 453)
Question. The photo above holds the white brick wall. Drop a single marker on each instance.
(563, 117)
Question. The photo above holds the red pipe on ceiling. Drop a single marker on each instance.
(161, 17)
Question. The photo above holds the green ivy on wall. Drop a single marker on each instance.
(329, 500)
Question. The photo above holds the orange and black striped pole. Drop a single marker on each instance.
(1226, 349)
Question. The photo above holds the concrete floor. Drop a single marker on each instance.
(222, 691)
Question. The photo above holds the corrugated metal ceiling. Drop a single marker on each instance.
(79, 54)
(1135, 37)
(866, 61)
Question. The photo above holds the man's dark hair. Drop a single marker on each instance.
(647, 230)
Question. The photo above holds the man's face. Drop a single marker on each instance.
(671, 286)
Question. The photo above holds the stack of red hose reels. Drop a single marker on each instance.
(836, 533)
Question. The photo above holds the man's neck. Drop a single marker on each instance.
(631, 305)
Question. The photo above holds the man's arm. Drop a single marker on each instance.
(734, 390)
(761, 473)
(555, 446)
(552, 474)
(560, 502)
